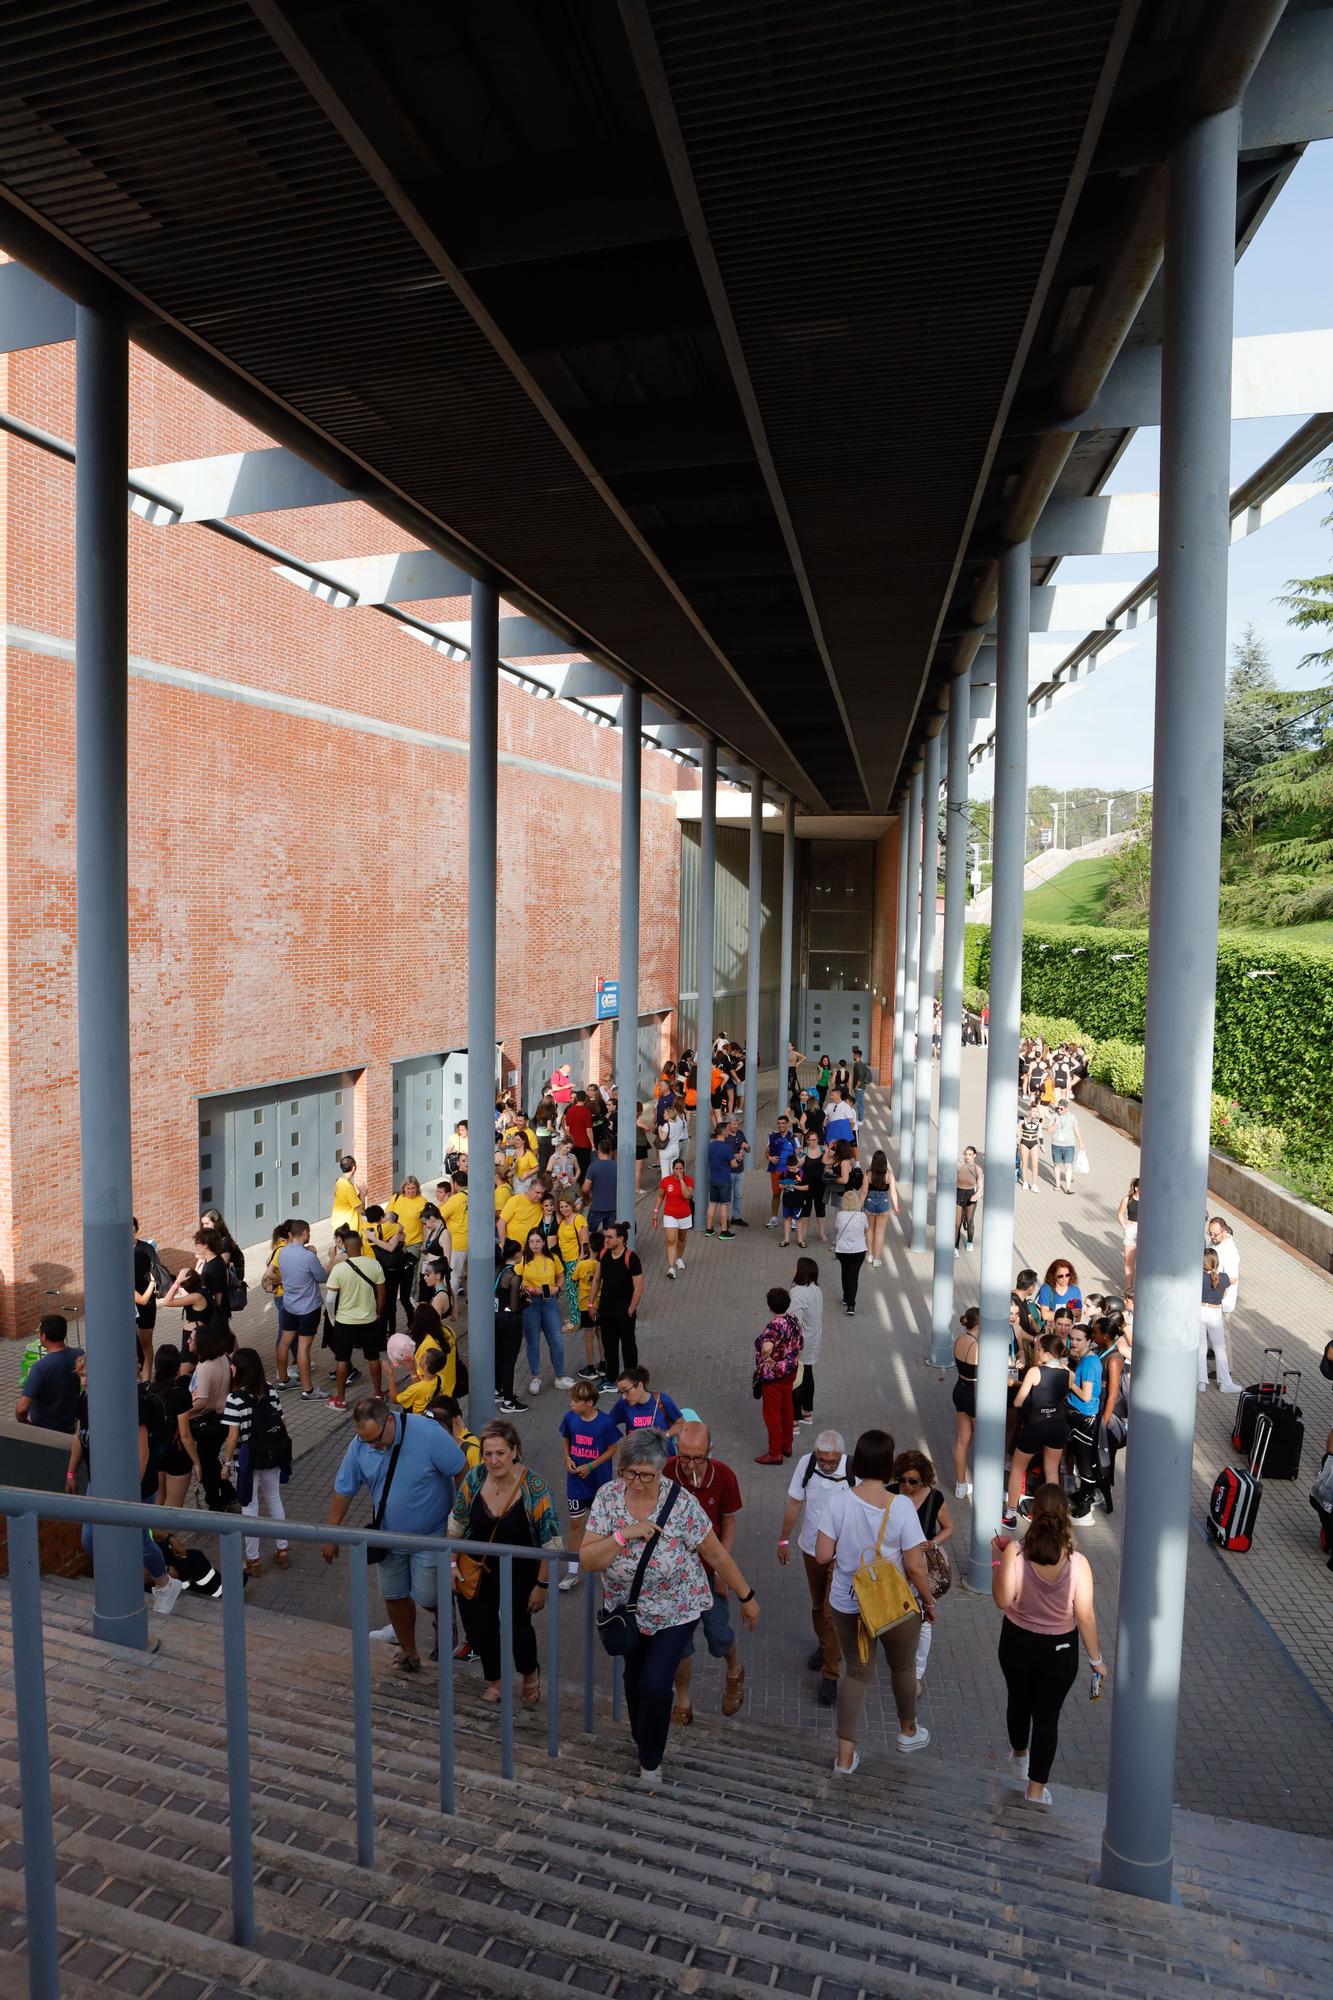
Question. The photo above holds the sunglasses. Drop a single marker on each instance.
(910, 1479)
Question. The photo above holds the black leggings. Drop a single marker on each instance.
(508, 1345)
(481, 1619)
(851, 1262)
(620, 1346)
(1039, 1669)
(1083, 1444)
(803, 1395)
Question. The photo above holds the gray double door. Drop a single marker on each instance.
(429, 1098)
(650, 1055)
(268, 1154)
(834, 1023)
(543, 1054)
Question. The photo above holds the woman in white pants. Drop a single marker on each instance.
(914, 1477)
(1215, 1284)
(250, 1387)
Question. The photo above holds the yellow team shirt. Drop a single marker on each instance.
(503, 1193)
(584, 1273)
(417, 1397)
(346, 1204)
(455, 1220)
(519, 1215)
(571, 1237)
(408, 1207)
(540, 1274)
(448, 1375)
(525, 1164)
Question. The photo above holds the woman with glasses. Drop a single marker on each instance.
(639, 1506)
(914, 1476)
(505, 1502)
(1060, 1291)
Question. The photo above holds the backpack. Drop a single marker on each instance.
(238, 1292)
(160, 1274)
(270, 1442)
(855, 1179)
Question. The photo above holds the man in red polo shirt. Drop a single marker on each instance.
(715, 1487)
(578, 1130)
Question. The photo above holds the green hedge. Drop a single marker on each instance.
(1272, 1037)
(976, 940)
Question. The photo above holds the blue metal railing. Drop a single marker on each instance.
(24, 1509)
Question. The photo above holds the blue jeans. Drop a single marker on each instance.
(737, 1183)
(860, 1105)
(650, 1671)
(153, 1560)
(542, 1316)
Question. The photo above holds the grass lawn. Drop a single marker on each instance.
(1075, 896)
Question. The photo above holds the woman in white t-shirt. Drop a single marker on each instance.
(848, 1535)
(849, 1244)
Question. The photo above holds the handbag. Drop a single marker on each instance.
(617, 1627)
(882, 1596)
(757, 1385)
(377, 1555)
(469, 1570)
(939, 1571)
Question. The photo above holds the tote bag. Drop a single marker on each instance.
(882, 1596)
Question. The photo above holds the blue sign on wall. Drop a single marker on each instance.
(608, 999)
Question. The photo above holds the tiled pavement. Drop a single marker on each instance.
(1255, 1741)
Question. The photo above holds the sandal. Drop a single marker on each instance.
(281, 1558)
(532, 1694)
(491, 1693)
(732, 1697)
(682, 1717)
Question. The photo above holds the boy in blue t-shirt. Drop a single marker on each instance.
(643, 1408)
(590, 1438)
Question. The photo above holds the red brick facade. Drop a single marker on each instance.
(298, 882)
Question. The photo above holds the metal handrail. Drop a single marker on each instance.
(23, 1508)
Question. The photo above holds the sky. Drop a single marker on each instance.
(1284, 283)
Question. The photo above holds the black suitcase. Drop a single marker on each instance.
(1262, 1395)
(1233, 1507)
(1279, 1436)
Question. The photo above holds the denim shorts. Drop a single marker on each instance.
(405, 1573)
(719, 1191)
(716, 1627)
(877, 1202)
(1062, 1156)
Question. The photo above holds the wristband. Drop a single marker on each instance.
(748, 1597)
(783, 1543)
(619, 1539)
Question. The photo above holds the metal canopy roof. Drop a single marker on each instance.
(696, 323)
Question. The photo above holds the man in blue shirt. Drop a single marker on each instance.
(302, 1276)
(781, 1149)
(410, 1466)
(721, 1166)
(599, 1187)
(740, 1146)
(49, 1397)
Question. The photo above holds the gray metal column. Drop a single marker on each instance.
(925, 988)
(483, 747)
(951, 1018)
(753, 958)
(1008, 826)
(899, 980)
(707, 974)
(627, 1070)
(1182, 962)
(101, 676)
(907, 1132)
(788, 934)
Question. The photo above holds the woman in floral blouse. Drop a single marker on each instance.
(777, 1359)
(639, 1506)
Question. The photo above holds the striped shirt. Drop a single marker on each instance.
(239, 1410)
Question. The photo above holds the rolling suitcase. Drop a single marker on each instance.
(1233, 1507)
(1261, 1395)
(1279, 1435)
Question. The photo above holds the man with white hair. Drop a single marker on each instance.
(716, 1488)
(818, 1475)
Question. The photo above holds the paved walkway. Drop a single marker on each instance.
(1255, 1740)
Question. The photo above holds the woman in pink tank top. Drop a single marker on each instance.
(1044, 1587)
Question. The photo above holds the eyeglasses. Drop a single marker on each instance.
(691, 1458)
(910, 1479)
(641, 1478)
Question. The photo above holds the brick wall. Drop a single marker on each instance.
(298, 883)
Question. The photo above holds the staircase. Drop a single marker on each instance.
(753, 1871)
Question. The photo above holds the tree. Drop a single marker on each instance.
(1257, 729)
(1299, 784)
(1129, 886)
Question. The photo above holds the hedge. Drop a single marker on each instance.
(1272, 1036)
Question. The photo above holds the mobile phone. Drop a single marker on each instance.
(1095, 1690)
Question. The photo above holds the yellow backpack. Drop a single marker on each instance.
(882, 1594)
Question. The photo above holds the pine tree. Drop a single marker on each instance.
(1300, 782)
(1257, 728)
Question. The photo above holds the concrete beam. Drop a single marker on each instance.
(1077, 607)
(1272, 375)
(270, 481)
(32, 313)
(1289, 99)
(407, 578)
(1119, 524)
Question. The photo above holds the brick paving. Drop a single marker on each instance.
(1255, 1741)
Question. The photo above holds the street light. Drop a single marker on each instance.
(1108, 803)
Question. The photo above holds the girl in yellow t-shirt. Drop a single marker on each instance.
(584, 1272)
(348, 1195)
(572, 1237)
(542, 1278)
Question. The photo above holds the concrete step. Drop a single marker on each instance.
(766, 1874)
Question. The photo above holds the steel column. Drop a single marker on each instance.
(627, 1069)
(101, 677)
(1008, 826)
(1182, 967)
(707, 979)
(907, 1126)
(951, 1019)
(483, 747)
(925, 988)
(784, 963)
(899, 981)
(37, 1818)
(753, 956)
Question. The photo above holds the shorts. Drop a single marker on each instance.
(145, 1317)
(587, 1320)
(304, 1325)
(965, 1398)
(1043, 1433)
(715, 1625)
(1062, 1156)
(405, 1573)
(1131, 1235)
(365, 1338)
(641, 1149)
(679, 1222)
(877, 1202)
(796, 1203)
(577, 1504)
(719, 1192)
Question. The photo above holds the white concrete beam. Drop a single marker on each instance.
(1272, 375)
(270, 481)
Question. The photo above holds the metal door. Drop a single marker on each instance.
(832, 1024)
(544, 1053)
(268, 1154)
(420, 1123)
(650, 1055)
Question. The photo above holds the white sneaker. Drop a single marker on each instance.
(1040, 1804)
(772, 1222)
(848, 1770)
(671, 1270)
(535, 1386)
(568, 1583)
(165, 1595)
(1203, 1388)
(1230, 1388)
(962, 1489)
(1018, 1763)
(385, 1634)
(680, 1263)
(564, 1381)
(909, 1743)
(652, 1779)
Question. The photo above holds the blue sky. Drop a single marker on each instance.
(1284, 282)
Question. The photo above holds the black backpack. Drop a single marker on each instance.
(159, 1427)
(270, 1442)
